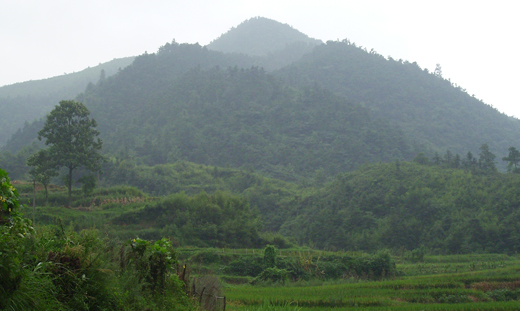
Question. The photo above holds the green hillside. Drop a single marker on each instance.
(429, 108)
(26, 101)
(405, 205)
(234, 117)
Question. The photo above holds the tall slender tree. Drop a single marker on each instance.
(72, 139)
(514, 160)
(486, 159)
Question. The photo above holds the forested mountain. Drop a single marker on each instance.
(171, 61)
(429, 108)
(261, 36)
(337, 111)
(158, 110)
(406, 205)
(26, 101)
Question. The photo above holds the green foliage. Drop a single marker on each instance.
(269, 256)
(513, 160)
(447, 210)
(233, 117)
(272, 274)
(494, 289)
(417, 255)
(328, 266)
(431, 110)
(57, 268)
(504, 294)
(9, 200)
(89, 184)
(43, 168)
(72, 138)
(153, 262)
(13, 235)
(486, 159)
(16, 164)
(203, 220)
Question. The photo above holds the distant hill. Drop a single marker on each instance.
(332, 110)
(30, 100)
(429, 109)
(260, 36)
(158, 110)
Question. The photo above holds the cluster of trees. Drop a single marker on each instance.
(484, 163)
(407, 205)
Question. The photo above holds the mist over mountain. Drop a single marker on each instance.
(429, 108)
(221, 115)
(25, 101)
(400, 108)
(273, 102)
(261, 36)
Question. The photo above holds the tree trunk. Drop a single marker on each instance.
(46, 194)
(34, 197)
(70, 185)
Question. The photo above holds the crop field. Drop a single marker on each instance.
(471, 282)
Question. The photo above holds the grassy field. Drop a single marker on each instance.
(487, 282)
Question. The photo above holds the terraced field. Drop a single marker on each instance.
(493, 283)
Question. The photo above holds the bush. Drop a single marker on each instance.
(269, 256)
(273, 275)
(504, 294)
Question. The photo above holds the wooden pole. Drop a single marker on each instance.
(201, 293)
(34, 198)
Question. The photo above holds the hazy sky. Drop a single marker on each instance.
(476, 42)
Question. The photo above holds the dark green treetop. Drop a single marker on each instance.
(72, 139)
(513, 159)
(486, 159)
(43, 168)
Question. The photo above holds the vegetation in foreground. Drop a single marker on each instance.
(54, 266)
(57, 268)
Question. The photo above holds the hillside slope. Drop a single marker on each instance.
(234, 117)
(406, 205)
(428, 108)
(26, 101)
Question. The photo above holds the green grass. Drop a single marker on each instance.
(444, 291)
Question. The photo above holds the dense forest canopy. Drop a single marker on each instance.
(238, 117)
(406, 205)
(429, 108)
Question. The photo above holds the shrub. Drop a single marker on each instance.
(269, 256)
(273, 275)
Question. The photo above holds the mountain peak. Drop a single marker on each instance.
(259, 36)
